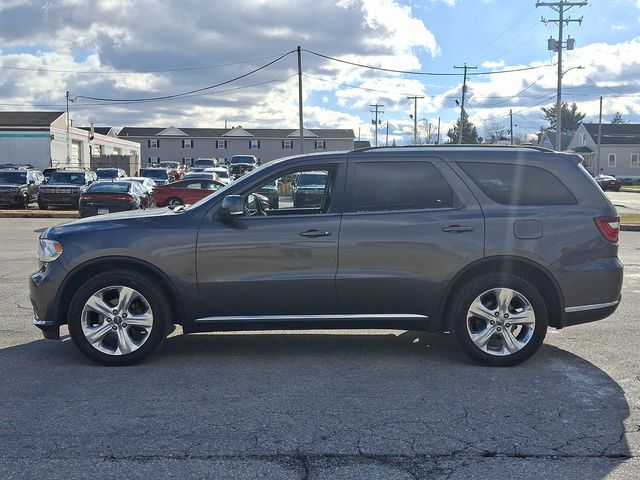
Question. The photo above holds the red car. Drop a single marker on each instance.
(607, 182)
(184, 192)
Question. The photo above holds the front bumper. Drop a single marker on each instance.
(61, 199)
(44, 286)
(10, 198)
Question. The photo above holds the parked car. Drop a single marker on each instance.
(221, 172)
(241, 164)
(19, 187)
(160, 175)
(185, 192)
(146, 183)
(110, 173)
(308, 189)
(607, 182)
(201, 176)
(175, 168)
(491, 244)
(113, 196)
(64, 188)
(199, 164)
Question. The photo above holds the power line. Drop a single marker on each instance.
(176, 95)
(118, 72)
(410, 72)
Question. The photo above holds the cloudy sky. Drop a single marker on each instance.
(130, 50)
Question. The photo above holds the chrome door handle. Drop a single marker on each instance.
(457, 229)
(315, 233)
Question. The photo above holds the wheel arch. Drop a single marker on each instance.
(104, 264)
(531, 271)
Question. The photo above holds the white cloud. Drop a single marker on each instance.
(620, 26)
(493, 64)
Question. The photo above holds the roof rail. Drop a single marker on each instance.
(454, 145)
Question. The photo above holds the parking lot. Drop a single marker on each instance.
(314, 405)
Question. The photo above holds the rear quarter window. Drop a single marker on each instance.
(518, 184)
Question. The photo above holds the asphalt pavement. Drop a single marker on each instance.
(625, 202)
(316, 405)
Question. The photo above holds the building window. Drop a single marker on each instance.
(187, 143)
(153, 160)
(154, 143)
(321, 145)
(635, 160)
(221, 144)
(612, 160)
(584, 139)
(254, 144)
(187, 161)
(287, 144)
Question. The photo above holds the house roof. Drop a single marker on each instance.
(615, 133)
(98, 130)
(28, 119)
(341, 133)
(565, 139)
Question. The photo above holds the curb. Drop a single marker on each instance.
(633, 227)
(38, 214)
(629, 190)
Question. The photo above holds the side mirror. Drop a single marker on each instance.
(232, 206)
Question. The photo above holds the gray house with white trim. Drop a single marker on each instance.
(187, 144)
(619, 149)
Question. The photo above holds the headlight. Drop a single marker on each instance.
(48, 250)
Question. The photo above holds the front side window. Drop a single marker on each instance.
(400, 186)
(293, 193)
(511, 184)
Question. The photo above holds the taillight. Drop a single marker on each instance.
(609, 227)
(107, 196)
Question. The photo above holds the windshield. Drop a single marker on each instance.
(242, 159)
(13, 177)
(107, 173)
(312, 179)
(154, 173)
(204, 163)
(170, 164)
(117, 187)
(223, 174)
(66, 177)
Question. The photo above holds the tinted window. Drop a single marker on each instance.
(400, 186)
(518, 184)
(109, 187)
(13, 177)
(154, 173)
(107, 173)
(242, 159)
(67, 177)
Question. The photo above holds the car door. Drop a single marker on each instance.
(283, 263)
(409, 226)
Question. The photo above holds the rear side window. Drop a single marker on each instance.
(518, 184)
(400, 186)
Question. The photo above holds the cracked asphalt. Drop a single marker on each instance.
(316, 405)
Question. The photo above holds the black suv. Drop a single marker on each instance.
(241, 164)
(19, 187)
(64, 187)
(493, 244)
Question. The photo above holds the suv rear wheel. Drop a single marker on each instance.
(118, 318)
(499, 319)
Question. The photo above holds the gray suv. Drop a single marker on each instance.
(493, 244)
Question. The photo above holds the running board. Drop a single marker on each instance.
(297, 318)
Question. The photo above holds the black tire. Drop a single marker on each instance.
(151, 293)
(25, 202)
(41, 205)
(473, 290)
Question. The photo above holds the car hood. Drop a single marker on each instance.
(10, 185)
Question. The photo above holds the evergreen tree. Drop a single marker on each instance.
(469, 131)
(571, 117)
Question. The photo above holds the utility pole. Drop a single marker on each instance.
(597, 172)
(438, 141)
(68, 143)
(464, 91)
(560, 7)
(511, 124)
(375, 121)
(415, 117)
(300, 99)
(386, 139)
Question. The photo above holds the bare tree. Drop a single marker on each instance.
(494, 129)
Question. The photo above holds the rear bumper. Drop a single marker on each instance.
(11, 199)
(589, 313)
(85, 211)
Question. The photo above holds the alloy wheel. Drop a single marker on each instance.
(500, 321)
(116, 320)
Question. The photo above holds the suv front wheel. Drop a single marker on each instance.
(499, 319)
(118, 318)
